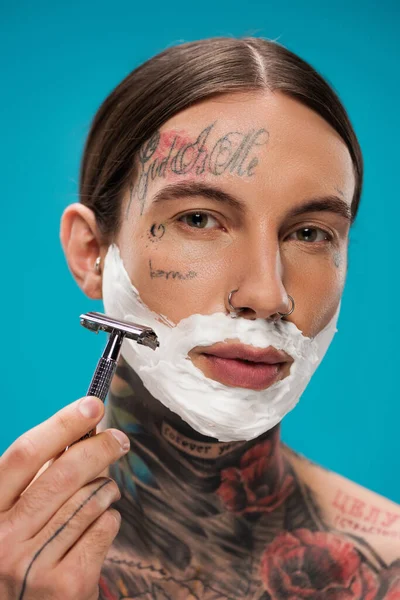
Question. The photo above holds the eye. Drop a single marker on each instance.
(311, 234)
(199, 220)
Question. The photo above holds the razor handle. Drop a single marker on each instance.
(100, 384)
(104, 373)
(107, 364)
(102, 377)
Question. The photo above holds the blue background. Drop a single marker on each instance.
(59, 61)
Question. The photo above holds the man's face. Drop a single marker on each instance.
(212, 209)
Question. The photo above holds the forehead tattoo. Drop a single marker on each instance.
(170, 154)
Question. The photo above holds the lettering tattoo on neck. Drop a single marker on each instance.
(154, 273)
(208, 451)
(231, 521)
(170, 154)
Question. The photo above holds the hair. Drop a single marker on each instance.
(176, 79)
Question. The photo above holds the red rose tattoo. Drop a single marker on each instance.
(316, 566)
(390, 582)
(260, 484)
(105, 592)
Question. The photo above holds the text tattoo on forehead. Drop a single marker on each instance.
(171, 154)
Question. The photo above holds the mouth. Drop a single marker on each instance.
(248, 367)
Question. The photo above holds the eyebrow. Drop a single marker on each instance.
(329, 203)
(190, 189)
(175, 191)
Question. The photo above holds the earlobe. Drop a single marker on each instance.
(82, 245)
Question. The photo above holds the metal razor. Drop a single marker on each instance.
(118, 330)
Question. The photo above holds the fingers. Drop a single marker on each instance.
(23, 459)
(73, 519)
(73, 470)
(77, 574)
(86, 557)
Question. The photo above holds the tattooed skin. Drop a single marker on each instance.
(337, 259)
(171, 154)
(170, 274)
(361, 517)
(157, 231)
(59, 531)
(203, 520)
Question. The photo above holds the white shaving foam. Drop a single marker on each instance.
(212, 408)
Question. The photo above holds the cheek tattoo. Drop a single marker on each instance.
(337, 259)
(154, 273)
(168, 154)
(156, 232)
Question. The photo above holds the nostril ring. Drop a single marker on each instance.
(233, 309)
(290, 311)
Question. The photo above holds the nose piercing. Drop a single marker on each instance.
(290, 311)
(232, 309)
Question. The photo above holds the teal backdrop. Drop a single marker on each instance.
(59, 61)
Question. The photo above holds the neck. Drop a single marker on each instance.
(149, 424)
(178, 485)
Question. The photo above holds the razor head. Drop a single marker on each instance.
(139, 333)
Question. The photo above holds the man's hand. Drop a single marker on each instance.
(56, 528)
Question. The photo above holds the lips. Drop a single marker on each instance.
(239, 351)
(237, 365)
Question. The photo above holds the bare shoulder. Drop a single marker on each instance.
(350, 508)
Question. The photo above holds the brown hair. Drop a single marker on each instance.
(177, 78)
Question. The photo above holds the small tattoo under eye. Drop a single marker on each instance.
(337, 259)
(157, 231)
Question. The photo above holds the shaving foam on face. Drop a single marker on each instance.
(211, 408)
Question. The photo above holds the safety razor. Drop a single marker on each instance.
(118, 330)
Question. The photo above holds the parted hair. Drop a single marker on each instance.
(178, 78)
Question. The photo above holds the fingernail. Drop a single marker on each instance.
(89, 407)
(123, 440)
(115, 514)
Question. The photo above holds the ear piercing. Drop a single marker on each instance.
(97, 265)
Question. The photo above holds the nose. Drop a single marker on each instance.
(261, 293)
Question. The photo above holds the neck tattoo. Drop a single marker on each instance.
(194, 448)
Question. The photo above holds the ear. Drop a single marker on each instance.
(82, 244)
